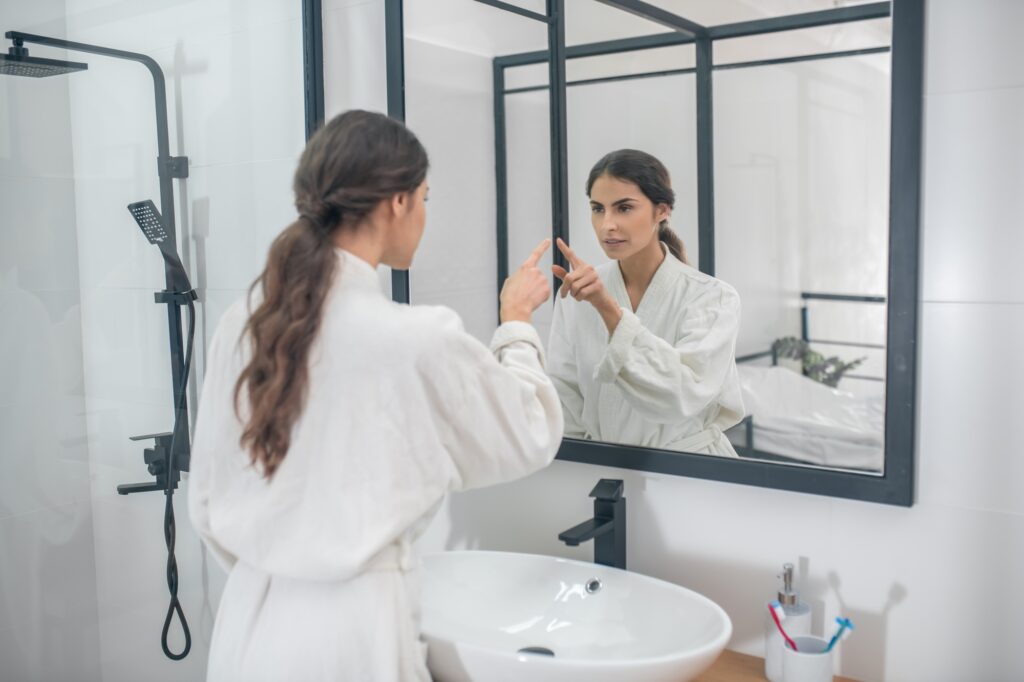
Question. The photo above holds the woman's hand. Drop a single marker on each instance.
(583, 283)
(526, 289)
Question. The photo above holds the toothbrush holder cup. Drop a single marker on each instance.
(809, 663)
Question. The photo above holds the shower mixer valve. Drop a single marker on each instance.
(156, 459)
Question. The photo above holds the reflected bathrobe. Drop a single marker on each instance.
(666, 378)
(402, 407)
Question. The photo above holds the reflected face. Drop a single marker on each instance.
(407, 230)
(624, 219)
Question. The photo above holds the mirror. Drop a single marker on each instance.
(771, 345)
(741, 297)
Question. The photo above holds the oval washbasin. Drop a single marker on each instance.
(505, 617)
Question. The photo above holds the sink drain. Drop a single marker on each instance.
(536, 650)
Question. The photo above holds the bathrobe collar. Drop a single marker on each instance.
(357, 273)
(663, 281)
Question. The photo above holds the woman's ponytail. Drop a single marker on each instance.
(672, 241)
(348, 167)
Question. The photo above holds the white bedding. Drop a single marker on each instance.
(802, 419)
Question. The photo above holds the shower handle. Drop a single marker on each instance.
(156, 459)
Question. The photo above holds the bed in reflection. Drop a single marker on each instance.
(797, 419)
(792, 418)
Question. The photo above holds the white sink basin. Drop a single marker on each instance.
(481, 609)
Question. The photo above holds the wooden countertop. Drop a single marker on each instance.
(733, 666)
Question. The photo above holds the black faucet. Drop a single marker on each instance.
(607, 528)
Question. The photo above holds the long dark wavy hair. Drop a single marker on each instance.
(350, 165)
(651, 176)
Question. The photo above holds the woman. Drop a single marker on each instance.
(333, 421)
(650, 360)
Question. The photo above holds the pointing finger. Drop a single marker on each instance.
(534, 257)
(570, 255)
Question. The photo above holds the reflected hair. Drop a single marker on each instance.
(349, 166)
(651, 176)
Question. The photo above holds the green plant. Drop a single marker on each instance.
(824, 370)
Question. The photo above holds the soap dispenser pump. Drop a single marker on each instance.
(797, 622)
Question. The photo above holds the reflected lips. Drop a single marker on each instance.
(612, 243)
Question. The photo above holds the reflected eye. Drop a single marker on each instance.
(625, 208)
(596, 209)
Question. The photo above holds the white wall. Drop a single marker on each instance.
(934, 589)
(48, 606)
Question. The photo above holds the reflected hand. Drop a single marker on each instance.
(526, 289)
(584, 284)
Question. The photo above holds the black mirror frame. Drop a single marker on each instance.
(896, 485)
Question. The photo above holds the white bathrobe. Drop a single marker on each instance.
(402, 407)
(667, 376)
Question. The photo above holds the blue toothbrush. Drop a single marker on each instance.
(845, 627)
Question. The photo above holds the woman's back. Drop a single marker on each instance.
(381, 438)
(402, 406)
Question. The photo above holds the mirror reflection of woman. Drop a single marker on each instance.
(642, 348)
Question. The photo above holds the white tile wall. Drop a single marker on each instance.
(973, 46)
(974, 205)
(241, 93)
(971, 371)
(238, 210)
(892, 568)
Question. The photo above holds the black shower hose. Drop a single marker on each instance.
(169, 528)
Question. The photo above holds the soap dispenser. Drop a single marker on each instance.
(797, 622)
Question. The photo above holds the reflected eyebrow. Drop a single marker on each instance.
(617, 202)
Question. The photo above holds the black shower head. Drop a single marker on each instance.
(17, 63)
(149, 220)
(152, 225)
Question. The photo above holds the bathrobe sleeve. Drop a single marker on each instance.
(562, 369)
(211, 414)
(664, 381)
(498, 415)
